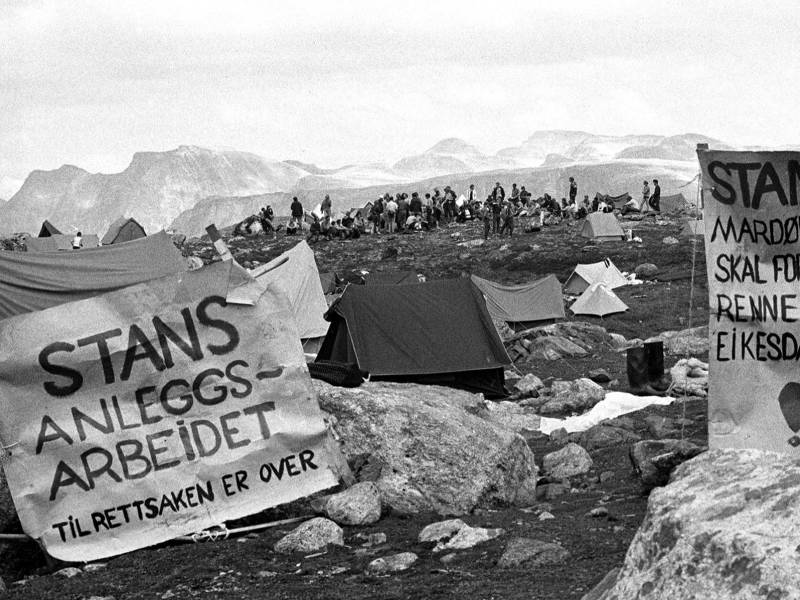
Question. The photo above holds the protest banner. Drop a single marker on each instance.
(156, 411)
(752, 235)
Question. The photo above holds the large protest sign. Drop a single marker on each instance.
(156, 411)
(752, 234)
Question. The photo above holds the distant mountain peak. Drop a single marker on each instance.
(452, 145)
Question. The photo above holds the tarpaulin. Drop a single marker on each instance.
(31, 281)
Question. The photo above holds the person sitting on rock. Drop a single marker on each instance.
(631, 206)
(292, 226)
(314, 230)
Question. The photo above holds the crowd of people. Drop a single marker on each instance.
(400, 213)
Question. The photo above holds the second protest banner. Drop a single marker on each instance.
(157, 411)
(752, 235)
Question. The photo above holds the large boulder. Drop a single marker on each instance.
(654, 460)
(572, 396)
(725, 528)
(569, 461)
(605, 435)
(532, 553)
(311, 536)
(692, 341)
(434, 453)
(646, 271)
(553, 348)
(511, 415)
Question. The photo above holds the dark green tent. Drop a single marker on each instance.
(390, 278)
(48, 229)
(437, 333)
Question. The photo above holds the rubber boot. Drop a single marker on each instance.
(638, 373)
(655, 366)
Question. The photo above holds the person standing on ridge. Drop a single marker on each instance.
(573, 189)
(325, 207)
(514, 194)
(645, 196)
(297, 212)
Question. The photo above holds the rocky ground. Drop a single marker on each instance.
(558, 542)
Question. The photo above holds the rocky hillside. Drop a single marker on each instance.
(158, 187)
(614, 177)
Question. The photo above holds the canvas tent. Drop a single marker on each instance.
(390, 278)
(123, 230)
(674, 203)
(602, 227)
(597, 300)
(48, 229)
(693, 228)
(57, 242)
(295, 273)
(412, 333)
(328, 282)
(583, 276)
(532, 302)
(31, 281)
(613, 200)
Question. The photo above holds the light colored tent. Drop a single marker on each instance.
(539, 300)
(123, 230)
(48, 229)
(693, 228)
(602, 227)
(583, 276)
(597, 300)
(674, 203)
(54, 243)
(295, 273)
(31, 281)
(613, 200)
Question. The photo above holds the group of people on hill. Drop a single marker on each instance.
(400, 213)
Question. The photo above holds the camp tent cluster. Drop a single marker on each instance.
(595, 283)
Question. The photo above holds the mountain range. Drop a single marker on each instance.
(188, 184)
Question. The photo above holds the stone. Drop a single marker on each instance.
(472, 243)
(546, 516)
(426, 438)
(449, 558)
(691, 342)
(662, 427)
(670, 241)
(441, 530)
(372, 539)
(618, 340)
(599, 376)
(463, 256)
(528, 384)
(92, 567)
(559, 436)
(567, 462)
(654, 460)
(392, 564)
(725, 528)
(357, 505)
(572, 396)
(600, 511)
(532, 553)
(68, 572)
(549, 491)
(467, 537)
(553, 348)
(311, 536)
(606, 476)
(646, 271)
(606, 436)
(512, 416)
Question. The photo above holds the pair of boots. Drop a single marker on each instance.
(646, 370)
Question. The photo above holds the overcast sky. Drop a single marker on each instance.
(90, 83)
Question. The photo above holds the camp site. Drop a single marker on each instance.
(399, 301)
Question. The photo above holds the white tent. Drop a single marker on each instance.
(598, 301)
(604, 272)
(295, 273)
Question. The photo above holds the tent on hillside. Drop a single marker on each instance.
(597, 300)
(602, 227)
(675, 203)
(390, 278)
(123, 230)
(295, 273)
(412, 333)
(528, 303)
(604, 271)
(693, 228)
(57, 242)
(612, 200)
(48, 229)
(31, 281)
